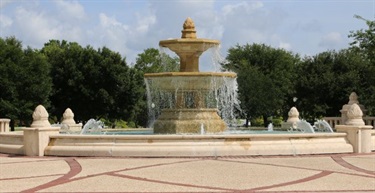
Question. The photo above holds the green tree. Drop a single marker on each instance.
(24, 81)
(266, 78)
(364, 44)
(151, 61)
(94, 83)
(326, 80)
(364, 39)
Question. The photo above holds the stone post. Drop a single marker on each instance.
(353, 98)
(36, 137)
(358, 134)
(40, 117)
(4, 125)
(68, 119)
(293, 118)
(35, 140)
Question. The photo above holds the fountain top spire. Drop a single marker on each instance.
(189, 29)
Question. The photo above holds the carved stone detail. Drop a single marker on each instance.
(40, 117)
(354, 115)
(189, 29)
(68, 117)
(293, 115)
(353, 99)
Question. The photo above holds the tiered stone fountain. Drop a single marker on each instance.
(191, 109)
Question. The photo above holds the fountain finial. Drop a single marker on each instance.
(189, 29)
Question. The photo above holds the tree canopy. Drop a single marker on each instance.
(364, 45)
(265, 78)
(25, 80)
(94, 83)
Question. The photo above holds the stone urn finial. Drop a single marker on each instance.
(354, 115)
(189, 29)
(68, 117)
(40, 117)
(293, 115)
(353, 98)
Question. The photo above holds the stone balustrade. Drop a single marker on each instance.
(369, 121)
(4, 125)
(353, 99)
(333, 121)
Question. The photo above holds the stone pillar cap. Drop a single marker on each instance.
(40, 117)
(68, 117)
(354, 115)
(293, 115)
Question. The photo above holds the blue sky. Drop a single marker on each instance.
(306, 27)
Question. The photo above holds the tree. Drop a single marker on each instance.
(326, 80)
(364, 39)
(24, 81)
(152, 61)
(364, 44)
(265, 78)
(94, 83)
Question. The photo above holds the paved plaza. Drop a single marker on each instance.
(309, 173)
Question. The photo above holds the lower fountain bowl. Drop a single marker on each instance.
(188, 80)
(189, 121)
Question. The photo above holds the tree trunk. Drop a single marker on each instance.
(247, 123)
(265, 121)
(11, 124)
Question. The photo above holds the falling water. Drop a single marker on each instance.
(220, 93)
(216, 58)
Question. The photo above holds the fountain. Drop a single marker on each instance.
(189, 100)
(93, 127)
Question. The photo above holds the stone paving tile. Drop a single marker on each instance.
(107, 183)
(221, 174)
(33, 168)
(90, 166)
(4, 160)
(366, 162)
(20, 184)
(333, 182)
(310, 163)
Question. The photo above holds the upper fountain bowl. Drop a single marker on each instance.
(188, 44)
(189, 47)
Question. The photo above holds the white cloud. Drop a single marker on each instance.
(5, 2)
(107, 21)
(331, 40)
(36, 26)
(250, 22)
(311, 26)
(285, 45)
(5, 21)
(144, 23)
(71, 9)
(241, 7)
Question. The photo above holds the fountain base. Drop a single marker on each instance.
(180, 121)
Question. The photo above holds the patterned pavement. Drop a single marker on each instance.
(309, 173)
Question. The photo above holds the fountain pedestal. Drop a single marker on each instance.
(173, 121)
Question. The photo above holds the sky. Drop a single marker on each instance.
(306, 27)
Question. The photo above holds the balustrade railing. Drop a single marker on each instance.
(4, 125)
(333, 121)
